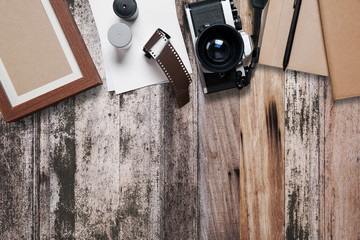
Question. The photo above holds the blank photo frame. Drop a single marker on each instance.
(43, 58)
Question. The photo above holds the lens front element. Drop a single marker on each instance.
(219, 48)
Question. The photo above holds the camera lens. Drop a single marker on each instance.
(219, 48)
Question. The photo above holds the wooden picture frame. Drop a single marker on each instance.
(12, 106)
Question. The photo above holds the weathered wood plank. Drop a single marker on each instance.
(179, 152)
(17, 183)
(342, 167)
(244, 215)
(46, 192)
(58, 168)
(303, 155)
(262, 156)
(219, 164)
(97, 133)
(140, 165)
(262, 213)
(323, 84)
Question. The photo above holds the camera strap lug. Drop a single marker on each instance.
(238, 24)
(255, 57)
(243, 80)
(258, 6)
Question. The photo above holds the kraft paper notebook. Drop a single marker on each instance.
(341, 27)
(308, 51)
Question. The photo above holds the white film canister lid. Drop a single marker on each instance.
(120, 35)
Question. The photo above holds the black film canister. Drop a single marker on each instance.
(126, 9)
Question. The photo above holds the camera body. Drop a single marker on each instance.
(220, 44)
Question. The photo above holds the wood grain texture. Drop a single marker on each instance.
(102, 166)
(180, 170)
(342, 167)
(322, 190)
(262, 169)
(262, 157)
(219, 165)
(17, 157)
(303, 154)
(59, 159)
(180, 153)
(140, 167)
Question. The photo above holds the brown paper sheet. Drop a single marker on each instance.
(308, 51)
(29, 48)
(341, 26)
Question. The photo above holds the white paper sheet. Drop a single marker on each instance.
(129, 69)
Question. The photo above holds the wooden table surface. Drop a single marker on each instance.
(279, 159)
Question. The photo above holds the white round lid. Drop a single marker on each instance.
(119, 35)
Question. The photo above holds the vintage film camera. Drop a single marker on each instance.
(220, 44)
